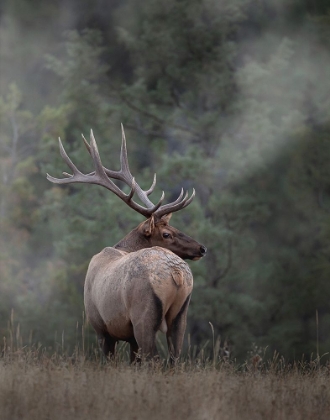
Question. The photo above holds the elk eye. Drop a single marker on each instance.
(166, 235)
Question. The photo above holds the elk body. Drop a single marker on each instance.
(142, 284)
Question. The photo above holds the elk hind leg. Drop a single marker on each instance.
(134, 350)
(146, 321)
(176, 330)
(107, 343)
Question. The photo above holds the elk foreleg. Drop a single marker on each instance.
(176, 330)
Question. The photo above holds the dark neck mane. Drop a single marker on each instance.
(132, 242)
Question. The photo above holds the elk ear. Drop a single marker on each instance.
(166, 218)
(148, 226)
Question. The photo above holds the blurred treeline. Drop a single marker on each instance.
(229, 97)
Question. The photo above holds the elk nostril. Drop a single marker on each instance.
(203, 249)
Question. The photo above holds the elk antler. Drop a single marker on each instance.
(101, 176)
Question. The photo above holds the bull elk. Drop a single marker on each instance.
(141, 284)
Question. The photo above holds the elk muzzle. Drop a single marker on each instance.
(202, 252)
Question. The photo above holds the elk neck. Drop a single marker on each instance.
(133, 241)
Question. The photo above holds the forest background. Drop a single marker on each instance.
(229, 97)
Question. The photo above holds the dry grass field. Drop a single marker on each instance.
(39, 384)
(36, 386)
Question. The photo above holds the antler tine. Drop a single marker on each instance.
(124, 167)
(124, 171)
(66, 158)
(156, 206)
(126, 176)
(70, 164)
(190, 199)
(130, 195)
(104, 180)
(176, 205)
(109, 172)
(86, 144)
(178, 200)
(151, 189)
(99, 168)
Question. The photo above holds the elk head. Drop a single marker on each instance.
(155, 231)
(158, 232)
